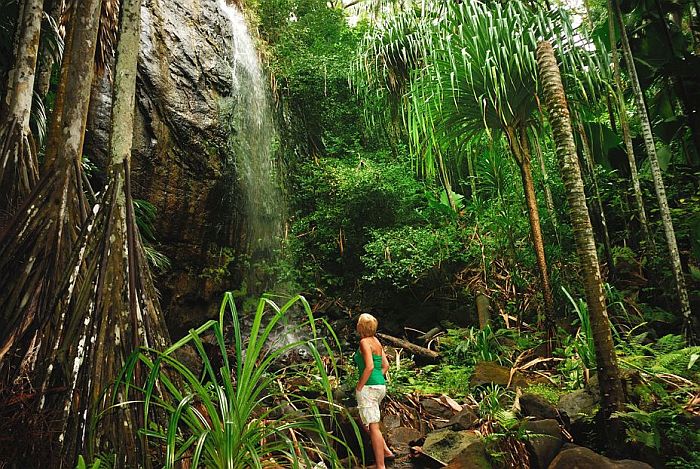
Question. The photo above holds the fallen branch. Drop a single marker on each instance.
(411, 347)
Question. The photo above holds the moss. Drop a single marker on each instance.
(549, 393)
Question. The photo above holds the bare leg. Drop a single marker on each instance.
(378, 445)
(387, 451)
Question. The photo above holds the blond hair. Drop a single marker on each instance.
(367, 325)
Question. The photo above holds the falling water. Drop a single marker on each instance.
(256, 170)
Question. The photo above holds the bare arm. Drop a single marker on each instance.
(385, 362)
(366, 352)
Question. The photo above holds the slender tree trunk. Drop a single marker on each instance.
(521, 151)
(656, 174)
(41, 238)
(445, 181)
(46, 62)
(18, 161)
(549, 200)
(611, 112)
(555, 100)
(626, 134)
(472, 173)
(590, 164)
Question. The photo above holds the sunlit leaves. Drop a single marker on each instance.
(460, 69)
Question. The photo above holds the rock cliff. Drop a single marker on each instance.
(180, 149)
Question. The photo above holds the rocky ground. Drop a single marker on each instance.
(437, 431)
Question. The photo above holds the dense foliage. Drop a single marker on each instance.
(425, 177)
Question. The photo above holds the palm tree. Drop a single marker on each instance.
(51, 49)
(460, 85)
(599, 211)
(549, 199)
(656, 174)
(626, 133)
(18, 162)
(41, 236)
(477, 73)
(111, 301)
(556, 103)
(101, 303)
(38, 243)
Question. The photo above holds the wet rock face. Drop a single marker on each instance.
(180, 147)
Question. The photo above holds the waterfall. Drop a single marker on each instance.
(257, 172)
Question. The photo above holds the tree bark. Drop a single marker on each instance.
(39, 244)
(626, 134)
(46, 62)
(18, 159)
(411, 347)
(586, 148)
(555, 100)
(517, 138)
(42, 234)
(545, 183)
(656, 175)
(110, 296)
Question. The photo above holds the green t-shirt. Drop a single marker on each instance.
(376, 377)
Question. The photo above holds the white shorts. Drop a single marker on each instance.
(368, 402)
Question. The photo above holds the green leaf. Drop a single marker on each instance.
(663, 153)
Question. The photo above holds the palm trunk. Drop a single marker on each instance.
(43, 232)
(111, 298)
(626, 134)
(519, 145)
(549, 200)
(555, 100)
(656, 175)
(445, 181)
(18, 160)
(472, 173)
(42, 237)
(46, 63)
(590, 164)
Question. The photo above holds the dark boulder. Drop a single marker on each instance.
(578, 457)
(544, 441)
(464, 419)
(180, 149)
(436, 408)
(493, 373)
(532, 405)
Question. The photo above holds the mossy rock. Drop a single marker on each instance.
(547, 392)
(445, 445)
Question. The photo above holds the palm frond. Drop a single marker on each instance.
(107, 35)
(461, 69)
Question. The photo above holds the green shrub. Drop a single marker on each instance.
(472, 345)
(666, 431)
(402, 256)
(338, 204)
